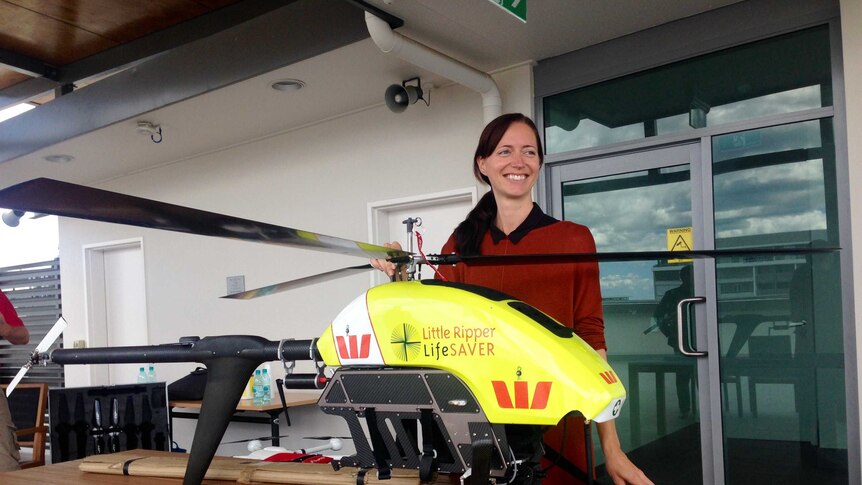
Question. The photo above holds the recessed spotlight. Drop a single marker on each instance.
(287, 85)
(60, 158)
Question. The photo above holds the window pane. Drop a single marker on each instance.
(632, 212)
(780, 320)
(779, 75)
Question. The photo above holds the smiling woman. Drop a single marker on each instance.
(33, 240)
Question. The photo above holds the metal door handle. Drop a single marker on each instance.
(680, 336)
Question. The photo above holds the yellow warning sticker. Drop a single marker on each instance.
(679, 239)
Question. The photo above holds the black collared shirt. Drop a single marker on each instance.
(535, 220)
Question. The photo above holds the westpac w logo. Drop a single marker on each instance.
(354, 348)
(609, 376)
(522, 395)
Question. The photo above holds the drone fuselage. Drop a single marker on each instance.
(522, 366)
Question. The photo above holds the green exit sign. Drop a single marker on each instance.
(518, 8)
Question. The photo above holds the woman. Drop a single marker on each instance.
(506, 221)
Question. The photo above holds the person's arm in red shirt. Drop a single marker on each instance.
(15, 335)
(11, 326)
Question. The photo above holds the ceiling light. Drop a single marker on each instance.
(59, 158)
(15, 110)
(287, 85)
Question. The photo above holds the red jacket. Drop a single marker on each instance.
(570, 293)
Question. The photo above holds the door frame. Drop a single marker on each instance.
(95, 296)
(697, 154)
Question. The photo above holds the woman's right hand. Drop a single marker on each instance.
(384, 265)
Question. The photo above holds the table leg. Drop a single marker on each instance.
(661, 416)
(634, 401)
(170, 428)
(274, 426)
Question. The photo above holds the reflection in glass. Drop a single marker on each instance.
(780, 323)
(634, 212)
(784, 74)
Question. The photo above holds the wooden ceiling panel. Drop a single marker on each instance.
(8, 77)
(46, 39)
(214, 4)
(60, 32)
(119, 21)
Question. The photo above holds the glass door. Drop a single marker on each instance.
(780, 331)
(766, 403)
(641, 202)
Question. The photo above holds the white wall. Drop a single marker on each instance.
(320, 179)
(851, 29)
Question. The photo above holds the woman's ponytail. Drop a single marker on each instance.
(469, 234)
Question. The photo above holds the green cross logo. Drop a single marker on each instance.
(405, 341)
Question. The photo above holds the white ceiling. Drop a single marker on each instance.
(348, 79)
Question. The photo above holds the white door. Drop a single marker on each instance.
(440, 214)
(116, 305)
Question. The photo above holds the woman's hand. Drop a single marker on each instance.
(622, 471)
(384, 265)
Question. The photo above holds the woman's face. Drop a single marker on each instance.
(514, 165)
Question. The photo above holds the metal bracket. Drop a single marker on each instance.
(288, 368)
(318, 365)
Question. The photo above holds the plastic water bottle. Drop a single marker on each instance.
(267, 385)
(142, 376)
(151, 374)
(257, 388)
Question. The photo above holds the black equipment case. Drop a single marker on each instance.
(87, 421)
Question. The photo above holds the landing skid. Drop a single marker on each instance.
(421, 418)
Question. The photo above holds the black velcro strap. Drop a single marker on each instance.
(381, 455)
(481, 460)
(360, 476)
(426, 463)
(564, 464)
(127, 463)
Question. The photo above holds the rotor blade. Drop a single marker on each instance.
(47, 196)
(51, 336)
(299, 283)
(261, 438)
(514, 259)
(17, 379)
(43, 346)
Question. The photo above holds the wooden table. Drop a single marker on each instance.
(67, 473)
(668, 365)
(248, 412)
